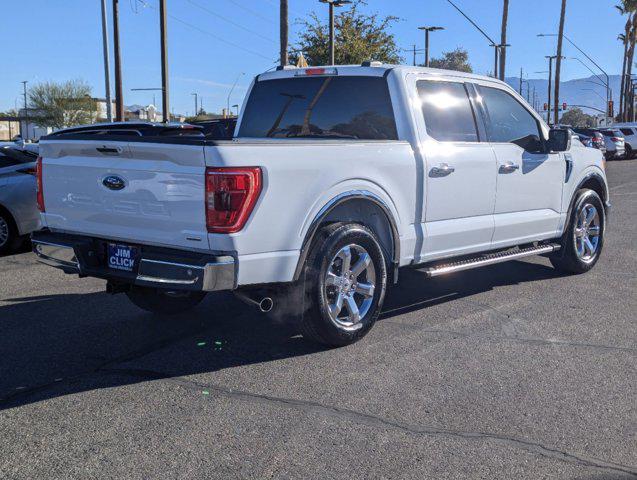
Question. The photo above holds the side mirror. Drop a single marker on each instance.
(559, 140)
(530, 143)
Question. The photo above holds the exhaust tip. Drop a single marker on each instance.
(266, 304)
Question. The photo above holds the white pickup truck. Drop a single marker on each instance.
(335, 178)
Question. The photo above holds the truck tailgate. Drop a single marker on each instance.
(139, 192)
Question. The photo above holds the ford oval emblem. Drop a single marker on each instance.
(113, 182)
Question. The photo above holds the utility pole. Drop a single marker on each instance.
(119, 94)
(427, 30)
(558, 63)
(520, 80)
(107, 66)
(503, 39)
(284, 27)
(414, 55)
(26, 112)
(164, 61)
(332, 4)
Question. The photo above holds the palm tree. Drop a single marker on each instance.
(624, 39)
(284, 32)
(627, 7)
(503, 39)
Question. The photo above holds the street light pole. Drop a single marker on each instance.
(332, 4)
(427, 30)
(196, 104)
(232, 90)
(548, 113)
(26, 111)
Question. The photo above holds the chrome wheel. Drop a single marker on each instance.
(350, 281)
(4, 232)
(587, 232)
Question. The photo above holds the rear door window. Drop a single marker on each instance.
(626, 131)
(508, 120)
(449, 116)
(332, 107)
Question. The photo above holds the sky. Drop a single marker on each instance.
(215, 43)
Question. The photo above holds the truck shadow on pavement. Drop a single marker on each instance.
(56, 345)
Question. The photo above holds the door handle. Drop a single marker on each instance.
(441, 170)
(509, 167)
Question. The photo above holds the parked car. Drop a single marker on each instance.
(19, 215)
(597, 138)
(218, 129)
(630, 139)
(615, 145)
(336, 177)
(584, 140)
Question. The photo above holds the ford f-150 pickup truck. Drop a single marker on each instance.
(336, 177)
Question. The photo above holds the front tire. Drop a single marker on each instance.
(584, 238)
(345, 281)
(166, 302)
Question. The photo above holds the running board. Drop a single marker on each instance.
(488, 259)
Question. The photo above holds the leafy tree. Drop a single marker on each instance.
(60, 105)
(457, 59)
(577, 118)
(358, 37)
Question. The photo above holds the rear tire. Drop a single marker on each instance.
(583, 240)
(345, 279)
(166, 302)
(629, 153)
(9, 238)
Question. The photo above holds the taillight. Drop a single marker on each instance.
(616, 139)
(39, 188)
(231, 194)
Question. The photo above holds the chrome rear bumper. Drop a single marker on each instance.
(207, 273)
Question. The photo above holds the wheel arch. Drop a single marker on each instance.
(357, 206)
(593, 181)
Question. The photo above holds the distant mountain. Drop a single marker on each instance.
(573, 92)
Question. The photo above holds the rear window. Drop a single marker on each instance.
(611, 133)
(320, 107)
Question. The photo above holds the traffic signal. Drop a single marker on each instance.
(546, 107)
(564, 106)
(611, 108)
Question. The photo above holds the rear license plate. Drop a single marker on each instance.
(122, 257)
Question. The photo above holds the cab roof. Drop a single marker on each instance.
(372, 69)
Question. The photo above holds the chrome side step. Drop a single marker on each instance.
(488, 259)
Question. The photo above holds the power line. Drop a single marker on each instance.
(210, 34)
(253, 12)
(231, 22)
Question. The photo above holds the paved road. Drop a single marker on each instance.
(511, 371)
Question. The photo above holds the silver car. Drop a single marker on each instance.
(615, 144)
(19, 214)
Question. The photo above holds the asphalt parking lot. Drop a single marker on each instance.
(510, 371)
